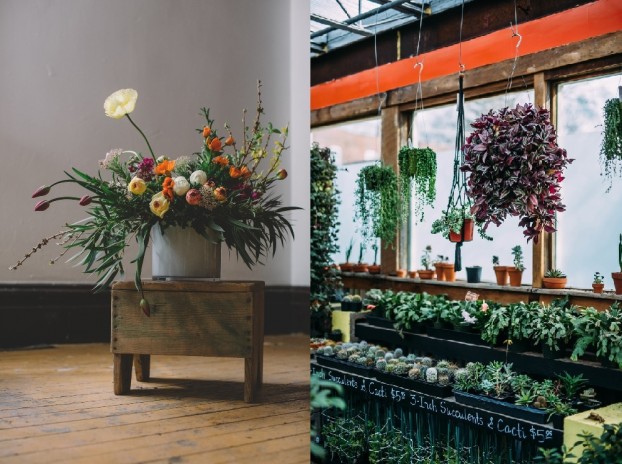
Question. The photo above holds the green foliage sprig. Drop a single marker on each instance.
(417, 168)
(611, 145)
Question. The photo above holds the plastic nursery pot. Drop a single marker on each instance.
(617, 281)
(554, 282)
(474, 274)
(425, 274)
(501, 273)
(516, 276)
(466, 235)
(440, 271)
(448, 272)
(374, 269)
(598, 288)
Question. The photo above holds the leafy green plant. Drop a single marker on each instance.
(377, 203)
(495, 260)
(571, 384)
(417, 167)
(552, 325)
(517, 253)
(362, 249)
(605, 449)
(609, 344)
(452, 220)
(349, 249)
(611, 145)
(324, 201)
(598, 278)
(426, 257)
(323, 395)
(554, 273)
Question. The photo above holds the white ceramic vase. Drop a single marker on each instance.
(179, 254)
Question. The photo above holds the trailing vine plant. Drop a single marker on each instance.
(417, 168)
(377, 203)
(611, 145)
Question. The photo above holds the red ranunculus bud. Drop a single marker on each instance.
(42, 205)
(41, 191)
(282, 174)
(85, 200)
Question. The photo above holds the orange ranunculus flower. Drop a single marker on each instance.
(167, 188)
(246, 173)
(221, 160)
(220, 193)
(234, 172)
(215, 144)
(165, 168)
(230, 140)
(206, 132)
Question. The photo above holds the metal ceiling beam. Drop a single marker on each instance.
(406, 8)
(339, 25)
(367, 14)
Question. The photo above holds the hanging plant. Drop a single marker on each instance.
(377, 202)
(611, 145)
(417, 168)
(515, 168)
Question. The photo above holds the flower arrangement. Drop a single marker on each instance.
(222, 192)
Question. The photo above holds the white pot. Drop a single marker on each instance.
(183, 254)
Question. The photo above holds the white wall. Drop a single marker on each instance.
(59, 60)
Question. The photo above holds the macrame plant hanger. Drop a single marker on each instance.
(457, 195)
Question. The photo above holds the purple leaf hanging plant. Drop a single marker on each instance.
(515, 168)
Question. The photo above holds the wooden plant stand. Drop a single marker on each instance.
(192, 318)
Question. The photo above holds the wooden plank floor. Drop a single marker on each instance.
(57, 405)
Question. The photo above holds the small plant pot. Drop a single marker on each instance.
(351, 305)
(516, 276)
(501, 273)
(448, 272)
(617, 282)
(374, 269)
(425, 274)
(465, 235)
(360, 267)
(346, 267)
(554, 282)
(440, 271)
(598, 288)
(400, 273)
(412, 274)
(474, 274)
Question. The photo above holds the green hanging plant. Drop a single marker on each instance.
(417, 168)
(611, 146)
(377, 203)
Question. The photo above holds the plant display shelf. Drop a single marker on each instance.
(528, 363)
(519, 429)
(189, 318)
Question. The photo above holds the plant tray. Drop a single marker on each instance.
(378, 321)
(534, 415)
(449, 334)
(344, 366)
(440, 391)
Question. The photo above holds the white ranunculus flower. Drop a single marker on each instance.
(198, 178)
(181, 186)
(120, 103)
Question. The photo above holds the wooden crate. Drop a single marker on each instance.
(191, 318)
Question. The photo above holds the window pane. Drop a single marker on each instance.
(436, 128)
(355, 145)
(588, 231)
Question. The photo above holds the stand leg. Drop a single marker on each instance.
(122, 373)
(142, 366)
(250, 379)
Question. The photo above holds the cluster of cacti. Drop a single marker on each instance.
(362, 353)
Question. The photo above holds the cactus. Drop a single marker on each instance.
(414, 373)
(444, 379)
(442, 364)
(327, 351)
(400, 369)
(431, 375)
(388, 356)
(342, 354)
(381, 365)
(353, 358)
(427, 361)
(398, 352)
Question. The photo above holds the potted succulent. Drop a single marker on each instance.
(352, 303)
(426, 262)
(516, 273)
(377, 205)
(554, 278)
(360, 266)
(474, 274)
(597, 284)
(501, 272)
(348, 266)
(515, 168)
(617, 276)
(374, 268)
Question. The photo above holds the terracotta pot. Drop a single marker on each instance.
(554, 282)
(617, 281)
(346, 267)
(449, 272)
(400, 273)
(516, 276)
(412, 274)
(465, 235)
(360, 267)
(440, 271)
(373, 269)
(598, 288)
(425, 274)
(501, 272)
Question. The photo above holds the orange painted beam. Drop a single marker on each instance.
(574, 25)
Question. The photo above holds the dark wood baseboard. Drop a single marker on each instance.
(42, 314)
